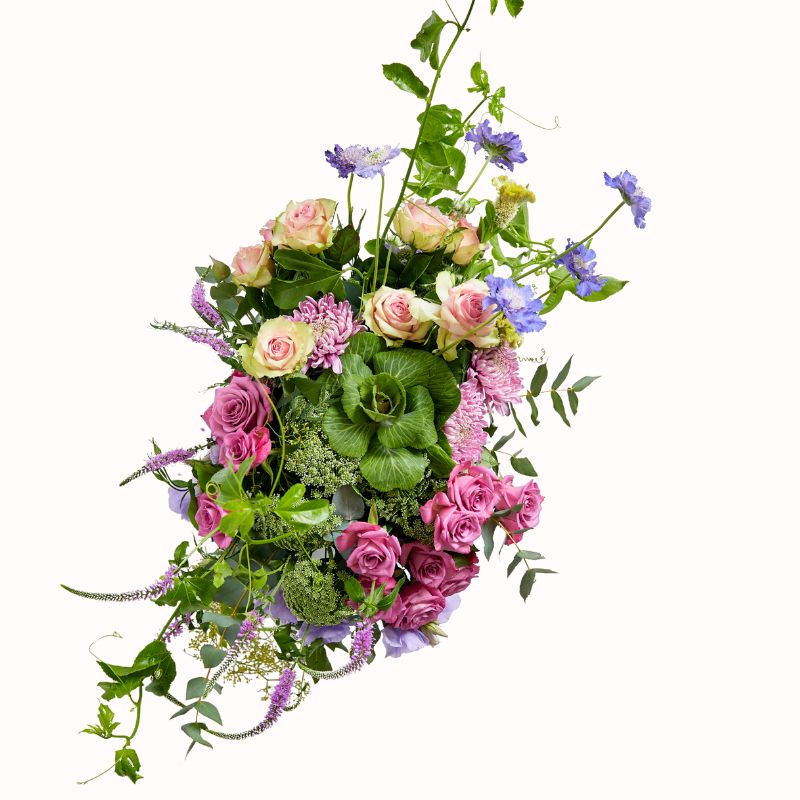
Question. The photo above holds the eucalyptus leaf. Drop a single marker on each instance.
(558, 405)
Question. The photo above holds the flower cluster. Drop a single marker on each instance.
(351, 487)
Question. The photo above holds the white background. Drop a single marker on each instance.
(661, 662)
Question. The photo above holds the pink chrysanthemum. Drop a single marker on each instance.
(496, 372)
(465, 428)
(333, 325)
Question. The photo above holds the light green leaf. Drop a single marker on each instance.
(386, 469)
(364, 344)
(345, 437)
(427, 40)
(514, 6)
(404, 78)
(581, 384)
(415, 428)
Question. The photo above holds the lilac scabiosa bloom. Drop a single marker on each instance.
(465, 428)
(203, 307)
(580, 263)
(344, 159)
(329, 634)
(503, 149)
(518, 303)
(399, 642)
(496, 373)
(332, 324)
(373, 162)
(632, 194)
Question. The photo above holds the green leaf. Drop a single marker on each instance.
(514, 6)
(163, 676)
(105, 716)
(344, 436)
(573, 400)
(427, 40)
(558, 405)
(523, 466)
(345, 246)
(209, 710)
(526, 584)
(534, 410)
(211, 656)
(365, 344)
(417, 266)
(496, 105)
(441, 462)
(560, 282)
(611, 287)
(306, 515)
(513, 565)
(126, 764)
(222, 621)
(487, 227)
(354, 589)
(433, 154)
(386, 469)
(414, 428)
(288, 294)
(539, 377)
(517, 422)
(503, 440)
(194, 730)
(195, 688)
(442, 124)
(588, 380)
(487, 533)
(480, 79)
(298, 261)
(562, 375)
(404, 78)
(492, 6)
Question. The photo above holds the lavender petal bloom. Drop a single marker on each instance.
(451, 603)
(279, 611)
(632, 194)
(203, 307)
(329, 634)
(580, 263)
(344, 159)
(179, 501)
(502, 149)
(373, 162)
(399, 642)
(518, 303)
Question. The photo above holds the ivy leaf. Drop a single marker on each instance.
(427, 39)
(126, 764)
(523, 466)
(580, 385)
(496, 104)
(560, 378)
(558, 405)
(514, 7)
(480, 79)
(404, 78)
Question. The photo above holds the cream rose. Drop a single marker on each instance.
(398, 315)
(462, 316)
(280, 347)
(464, 244)
(305, 226)
(422, 226)
(253, 266)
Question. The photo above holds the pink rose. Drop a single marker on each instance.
(239, 446)
(422, 226)
(428, 566)
(242, 405)
(529, 497)
(419, 605)
(375, 552)
(462, 316)
(207, 517)
(281, 346)
(464, 244)
(461, 577)
(305, 226)
(398, 315)
(473, 488)
(453, 529)
(253, 266)
(266, 230)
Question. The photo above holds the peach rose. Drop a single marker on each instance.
(464, 244)
(398, 315)
(462, 316)
(305, 226)
(422, 226)
(253, 266)
(280, 347)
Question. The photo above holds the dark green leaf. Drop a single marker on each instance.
(345, 246)
(404, 78)
(523, 466)
(503, 440)
(580, 385)
(513, 565)
(526, 584)
(209, 710)
(558, 405)
(194, 730)
(417, 266)
(211, 656)
(539, 377)
(288, 294)
(573, 400)
(562, 375)
(517, 422)
(427, 40)
(487, 532)
(534, 410)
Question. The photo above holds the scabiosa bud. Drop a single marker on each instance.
(203, 307)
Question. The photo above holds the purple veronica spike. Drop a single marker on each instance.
(175, 628)
(518, 303)
(161, 461)
(632, 194)
(219, 346)
(203, 307)
(360, 650)
(580, 263)
(248, 631)
(503, 149)
(152, 592)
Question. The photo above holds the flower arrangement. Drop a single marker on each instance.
(349, 474)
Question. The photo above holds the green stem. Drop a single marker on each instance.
(474, 110)
(377, 259)
(457, 342)
(349, 201)
(428, 103)
(477, 178)
(282, 434)
(574, 246)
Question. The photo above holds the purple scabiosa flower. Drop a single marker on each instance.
(632, 194)
(333, 325)
(518, 303)
(495, 370)
(503, 149)
(179, 501)
(328, 634)
(399, 642)
(203, 307)
(373, 162)
(344, 159)
(580, 263)
(465, 427)
(161, 461)
(152, 592)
